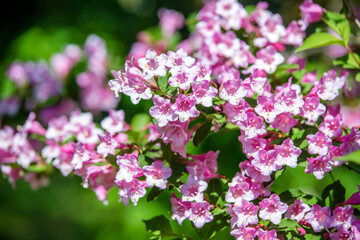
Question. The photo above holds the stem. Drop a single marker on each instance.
(352, 54)
(351, 168)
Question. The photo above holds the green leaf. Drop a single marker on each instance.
(139, 121)
(153, 194)
(338, 23)
(299, 75)
(304, 144)
(163, 82)
(250, 8)
(319, 40)
(167, 152)
(297, 133)
(357, 78)
(218, 118)
(38, 168)
(215, 190)
(288, 224)
(202, 132)
(333, 194)
(111, 159)
(159, 225)
(352, 157)
(309, 236)
(191, 21)
(216, 225)
(348, 61)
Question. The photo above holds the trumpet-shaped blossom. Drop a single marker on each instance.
(181, 210)
(115, 122)
(133, 191)
(162, 111)
(204, 93)
(129, 168)
(200, 213)
(157, 174)
(272, 209)
(185, 107)
(153, 65)
(193, 190)
(318, 166)
(297, 210)
(287, 153)
(232, 91)
(319, 143)
(319, 217)
(268, 108)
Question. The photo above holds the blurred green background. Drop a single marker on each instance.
(34, 30)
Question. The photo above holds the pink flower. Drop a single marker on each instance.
(204, 93)
(265, 235)
(200, 213)
(133, 191)
(294, 35)
(310, 12)
(272, 209)
(232, 91)
(162, 111)
(284, 122)
(205, 166)
(107, 145)
(170, 21)
(182, 77)
(193, 190)
(247, 233)
(153, 65)
(115, 122)
(342, 217)
(312, 108)
(267, 59)
(129, 168)
(266, 162)
(297, 210)
(185, 107)
(268, 108)
(318, 217)
(236, 113)
(181, 210)
(253, 126)
(246, 213)
(178, 58)
(157, 174)
(175, 133)
(331, 126)
(318, 143)
(318, 166)
(287, 153)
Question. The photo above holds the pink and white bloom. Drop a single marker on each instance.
(319, 217)
(272, 209)
(179, 58)
(170, 21)
(266, 162)
(318, 143)
(232, 91)
(284, 122)
(133, 190)
(342, 217)
(246, 213)
(253, 126)
(200, 213)
(204, 93)
(310, 12)
(181, 210)
(247, 233)
(162, 111)
(185, 107)
(129, 168)
(265, 235)
(193, 190)
(107, 145)
(287, 153)
(157, 174)
(153, 65)
(267, 59)
(318, 166)
(115, 122)
(331, 126)
(182, 77)
(312, 108)
(297, 210)
(175, 134)
(268, 108)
